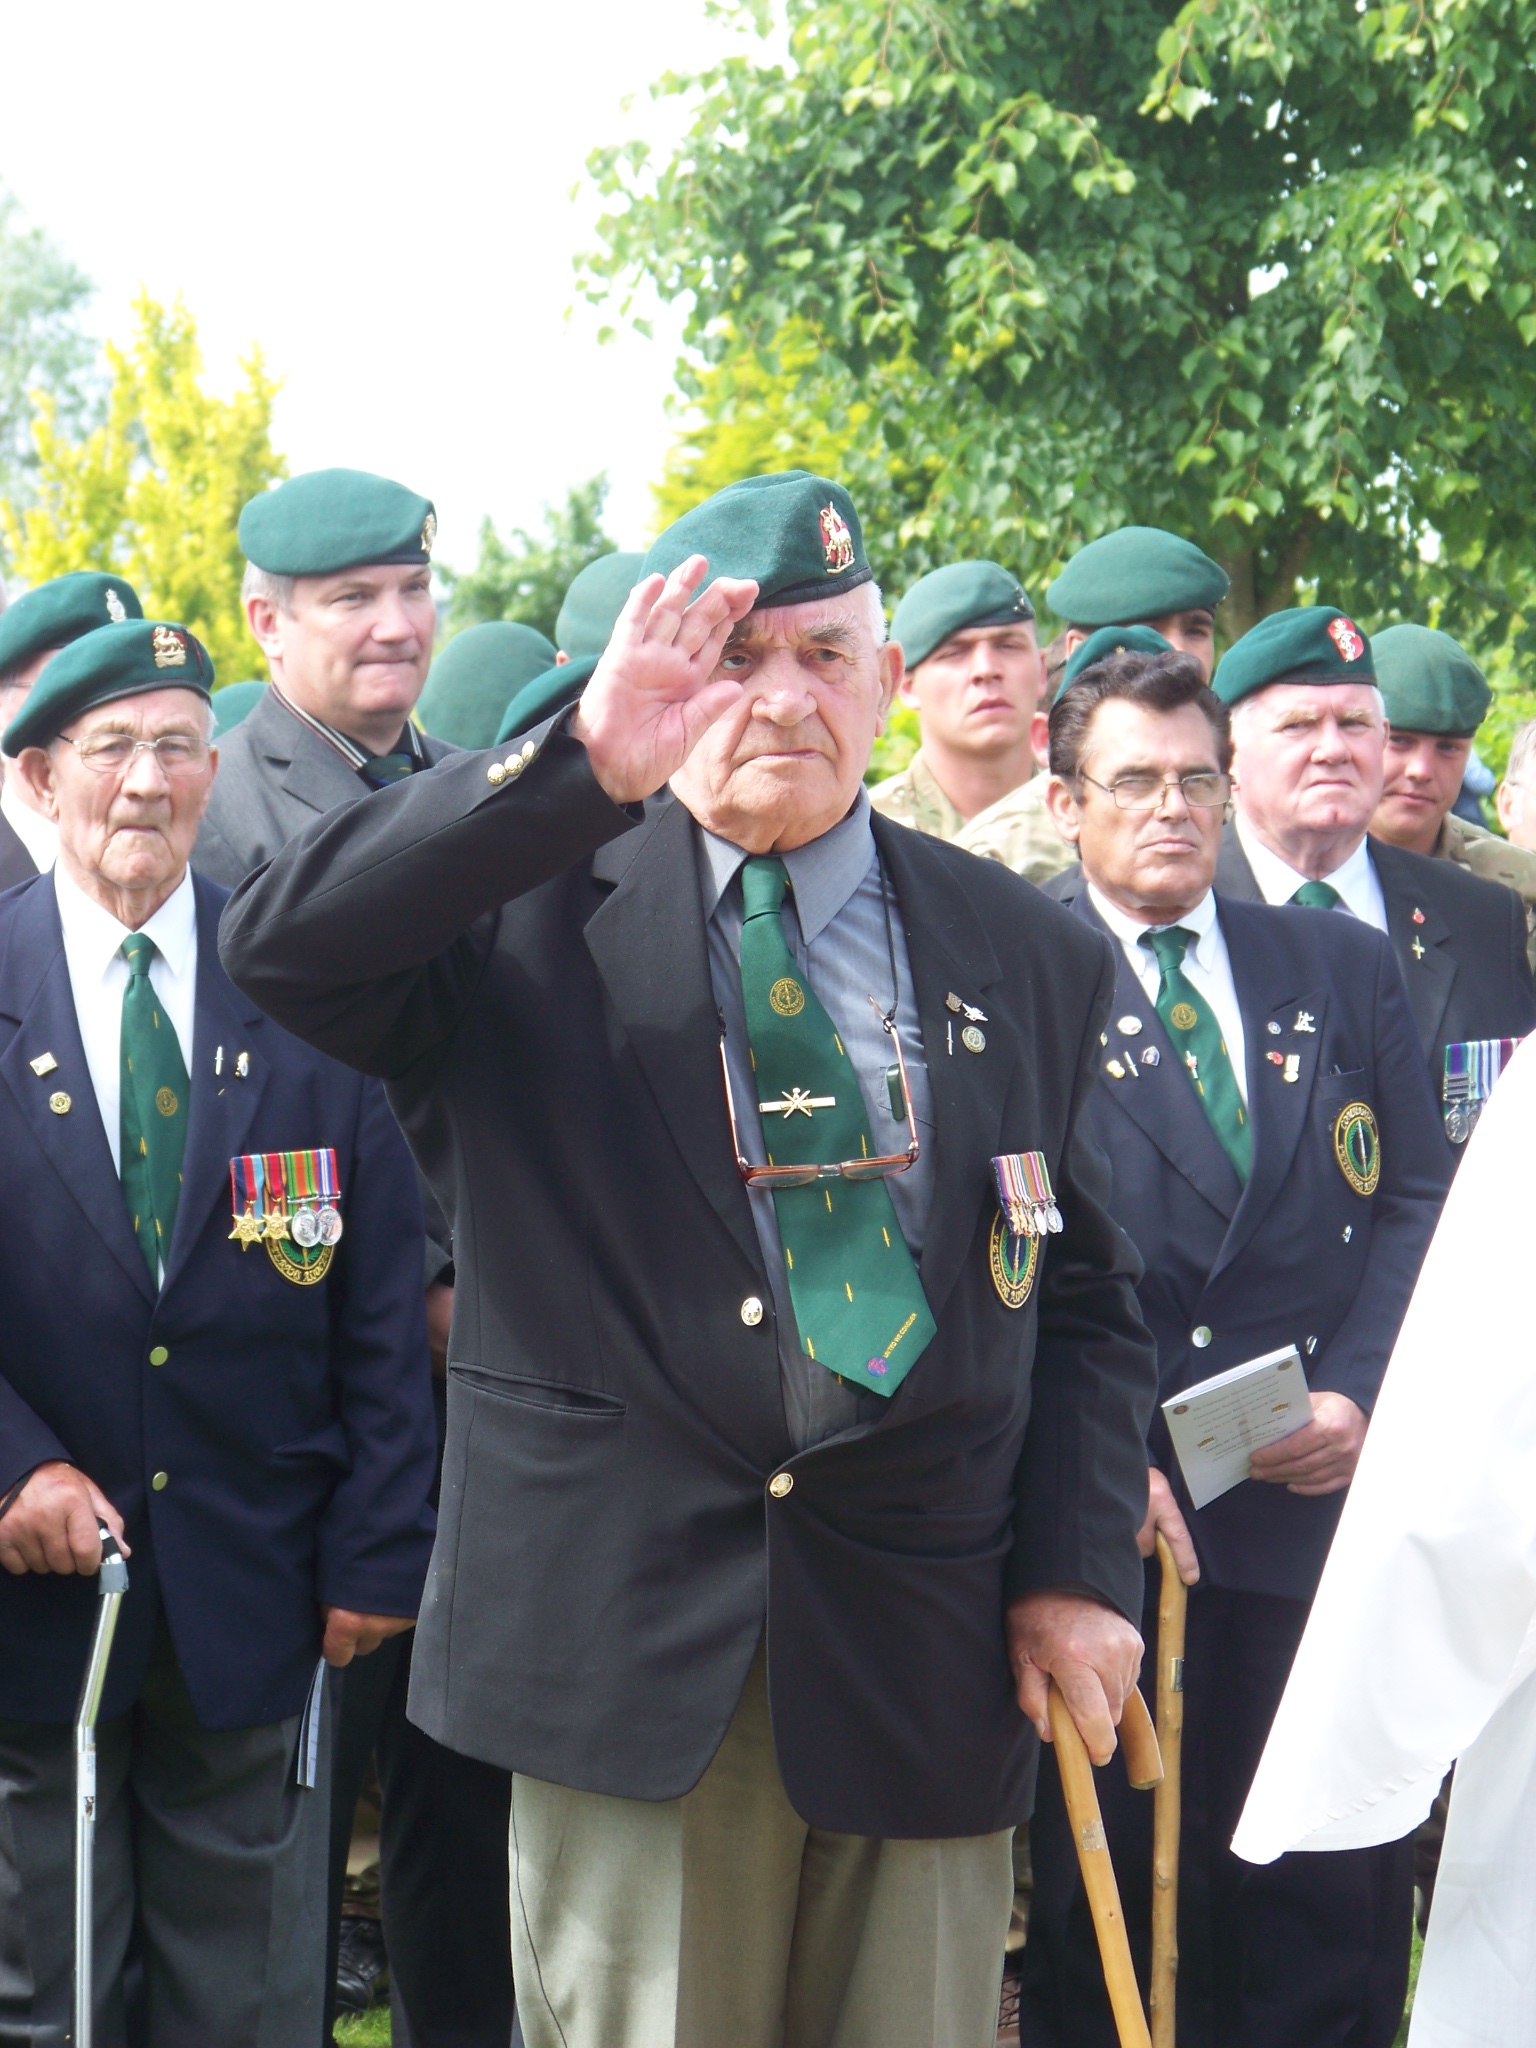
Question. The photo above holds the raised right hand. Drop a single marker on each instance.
(655, 690)
(51, 1525)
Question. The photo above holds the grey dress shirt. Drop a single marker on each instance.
(835, 925)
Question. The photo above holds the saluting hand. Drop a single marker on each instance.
(655, 690)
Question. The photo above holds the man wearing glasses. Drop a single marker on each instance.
(213, 1345)
(1278, 1165)
(790, 1445)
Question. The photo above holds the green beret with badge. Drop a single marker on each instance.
(1311, 643)
(56, 612)
(476, 677)
(952, 599)
(1139, 572)
(333, 519)
(124, 660)
(1429, 682)
(233, 703)
(796, 536)
(1110, 640)
(591, 606)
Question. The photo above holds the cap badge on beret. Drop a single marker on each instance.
(1347, 637)
(170, 649)
(428, 532)
(117, 611)
(836, 540)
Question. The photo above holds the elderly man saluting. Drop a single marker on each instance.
(782, 1420)
(214, 1342)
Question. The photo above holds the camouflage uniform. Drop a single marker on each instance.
(1495, 859)
(1017, 830)
(914, 798)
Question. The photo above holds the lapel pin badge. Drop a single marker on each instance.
(1293, 1066)
(1418, 915)
(1304, 1021)
(1276, 1059)
(242, 1065)
(43, 1064)
(60, 1104)
(218, 1062)
(1150, 1056)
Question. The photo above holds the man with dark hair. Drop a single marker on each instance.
(1309, 762)
(1250, 1050)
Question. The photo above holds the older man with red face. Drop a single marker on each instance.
(786, 1459)
(1309, 764)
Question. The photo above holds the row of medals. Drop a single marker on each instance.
(307, 1227)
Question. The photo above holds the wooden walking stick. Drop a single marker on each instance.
(1173, 1600)
(1138, 1741)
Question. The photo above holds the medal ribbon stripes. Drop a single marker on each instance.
(1024, 1190)
(290, 1202)
(1471, 1068)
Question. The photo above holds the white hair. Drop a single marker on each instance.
(1522, 751)
(277, 590)
(876, 612)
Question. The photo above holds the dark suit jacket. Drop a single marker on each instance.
(526, 964)
(1295, 1256)
(294, 1423)
(16, 864)
(1470, 976)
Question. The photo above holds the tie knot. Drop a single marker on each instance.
(388, 768)
(1169, 946)
(139, 949)
(763, 882)
(1317, 896)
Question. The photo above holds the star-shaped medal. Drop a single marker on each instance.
(247, 1228)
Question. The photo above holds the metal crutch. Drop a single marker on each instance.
(111, 1585)
(1138, 1742)
(1173, 1601)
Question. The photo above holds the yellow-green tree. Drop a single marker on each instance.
(155, 492)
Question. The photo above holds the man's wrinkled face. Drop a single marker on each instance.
(357, 644)
(130, 824)
(1423, 774)
(1309, 756)
(977, 692)
(784, 764)
(1158, 860)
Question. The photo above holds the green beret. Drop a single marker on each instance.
(948, 600)
(545, 695)
(1140, 572)
(476, 677)
(123, 660)
(333, 519)
(1312, 643)
(796, 536)
(1430, 683)
(593, 603)
(232, 704)
(60, 611)
(1110, 640)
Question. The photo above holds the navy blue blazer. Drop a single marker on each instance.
(294, 1424)
(1296, 1256)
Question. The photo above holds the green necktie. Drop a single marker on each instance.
(153, 1119)
(856, 1294)
(1194, 1030)
(1317, 896)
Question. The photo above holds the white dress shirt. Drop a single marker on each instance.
(98, 978)
(1207, 969)
(39, 835)
(1356, 881)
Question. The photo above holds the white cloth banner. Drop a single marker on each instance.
(1421, 1647)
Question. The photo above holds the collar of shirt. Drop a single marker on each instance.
(98, 975)
(39, 835)
(823, 874)
(1207, 966)
(355, 756)
(1355, 879)
(1128, 930)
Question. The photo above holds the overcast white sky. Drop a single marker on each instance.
(380, 196)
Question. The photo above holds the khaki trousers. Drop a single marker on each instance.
(720, 1920)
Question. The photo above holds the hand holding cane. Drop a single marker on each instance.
(112, 1584)
(1138, 1742)
(1173, 1600)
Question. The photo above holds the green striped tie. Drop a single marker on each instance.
(153, 1115)
(1192, 1026)
(856, 1293)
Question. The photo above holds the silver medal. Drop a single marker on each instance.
(304, 1229)
(328, 1223)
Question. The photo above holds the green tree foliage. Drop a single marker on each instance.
(524, 577)
(156, 490)
(1257, 270)
(41, 346)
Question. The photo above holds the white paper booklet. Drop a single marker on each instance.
(1217, 1425)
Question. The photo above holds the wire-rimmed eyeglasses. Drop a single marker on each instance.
(768, 1176)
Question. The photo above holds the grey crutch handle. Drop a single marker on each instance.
(112, 1584)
